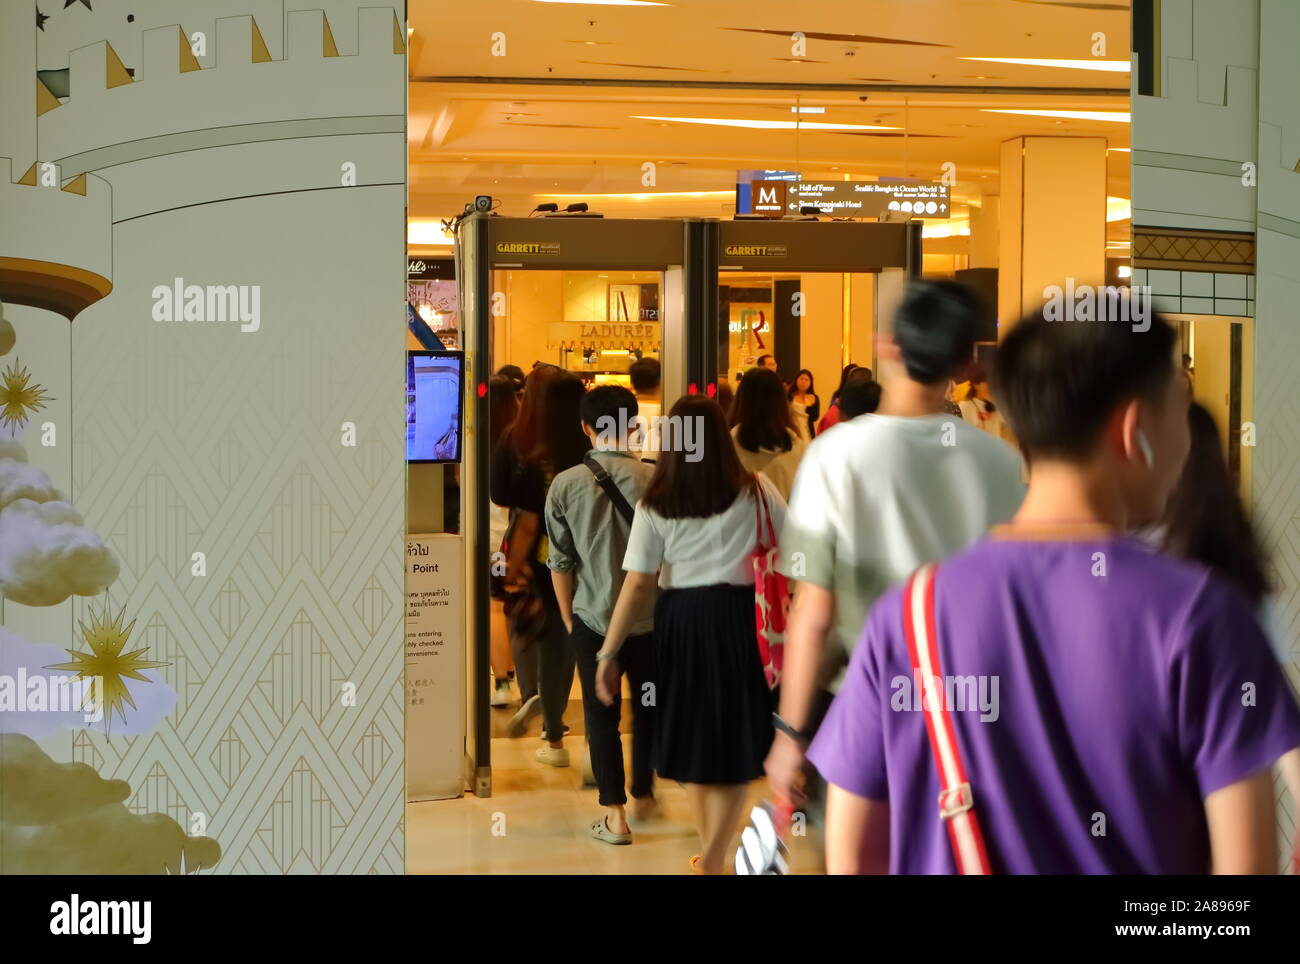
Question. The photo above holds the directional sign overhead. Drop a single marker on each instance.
(866, 199)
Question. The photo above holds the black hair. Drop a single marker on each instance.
(761, 413)
(1057, 382)
(548, 432)
(644, 373)
(606, 401)
(514, 373)
(1205, 521)
(503, 406)
(935, 327)
(761, 359)
(685, 489)
(849, 369)
(812, 388)
(860, 395)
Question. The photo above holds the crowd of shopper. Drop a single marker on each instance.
(977, 571)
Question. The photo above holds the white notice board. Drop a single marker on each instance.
(435, 667)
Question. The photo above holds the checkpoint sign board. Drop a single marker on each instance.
(864, 199)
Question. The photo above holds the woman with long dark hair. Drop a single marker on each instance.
(764, 429)
(545, 439)
(805, 405)
(1206, 522)
(503, 406)
(696, 527)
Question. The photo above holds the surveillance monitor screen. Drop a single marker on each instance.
(434, 405)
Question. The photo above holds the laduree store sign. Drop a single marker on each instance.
(601, 334)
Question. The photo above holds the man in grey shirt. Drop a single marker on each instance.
(588, 509)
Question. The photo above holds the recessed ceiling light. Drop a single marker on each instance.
(765, 125)
(807, 110)
(1120, 150)
(1111, 66)
(1118, 117)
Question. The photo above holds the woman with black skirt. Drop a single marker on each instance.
(697, 527)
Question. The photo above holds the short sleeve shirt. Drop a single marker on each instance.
(1091, 685)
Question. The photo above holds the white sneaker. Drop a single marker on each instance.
(519, 722)
(552, 756)
(500, 693)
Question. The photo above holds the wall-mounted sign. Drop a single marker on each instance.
(603, 334)
(431, 269)
(528, 247)
(754, 250)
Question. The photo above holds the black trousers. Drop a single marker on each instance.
(637, 660)
(554, 660)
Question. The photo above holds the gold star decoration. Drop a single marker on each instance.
(106, 637)
(18, 397)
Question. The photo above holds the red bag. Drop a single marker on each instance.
(771, 592)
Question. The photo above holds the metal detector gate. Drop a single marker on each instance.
(889, 252)
(487, 247)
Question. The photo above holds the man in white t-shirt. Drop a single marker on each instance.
(878, 497)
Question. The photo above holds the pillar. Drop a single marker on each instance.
(1052, 219)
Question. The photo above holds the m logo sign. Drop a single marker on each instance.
(769, 198)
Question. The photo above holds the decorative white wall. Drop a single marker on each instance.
(275, 161)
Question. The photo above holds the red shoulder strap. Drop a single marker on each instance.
(956, 803)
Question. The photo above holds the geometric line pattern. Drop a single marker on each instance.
(1191, 250)
(303, 540)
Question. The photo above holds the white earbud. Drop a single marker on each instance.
(1144, 446)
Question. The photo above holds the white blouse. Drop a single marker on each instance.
(701, 552)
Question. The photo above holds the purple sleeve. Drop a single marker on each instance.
(1235, 712)
(849, 749)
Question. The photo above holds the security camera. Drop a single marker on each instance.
(483, 202)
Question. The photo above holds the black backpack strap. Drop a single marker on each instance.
(611, 489)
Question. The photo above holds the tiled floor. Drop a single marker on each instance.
(536, 822)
